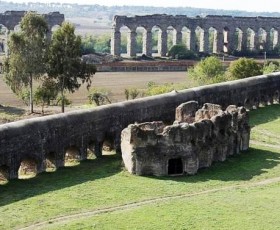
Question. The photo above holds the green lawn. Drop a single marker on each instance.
(102, 183)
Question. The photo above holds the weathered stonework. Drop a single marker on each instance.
(10, 19)
(152, 148)
(51, 138)
(248, 30)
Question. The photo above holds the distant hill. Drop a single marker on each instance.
(107, 12)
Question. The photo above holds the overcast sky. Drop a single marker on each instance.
(248, 5)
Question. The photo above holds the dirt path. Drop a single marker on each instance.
(67, 218)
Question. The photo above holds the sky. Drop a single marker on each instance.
(248, 5)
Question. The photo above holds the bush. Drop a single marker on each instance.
(181, 52)
(209, 70)
(99, 96)
(243, 68)
(270, 67)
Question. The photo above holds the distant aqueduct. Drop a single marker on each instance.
(11, 19)
(210, 34)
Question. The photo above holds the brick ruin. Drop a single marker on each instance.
(197, 138)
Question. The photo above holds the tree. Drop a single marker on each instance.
(209, 70)
(45, 93)
(27, 57)
(181, 52)
(65, 64)
(244, 67)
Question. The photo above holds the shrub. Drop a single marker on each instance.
(99, 96)
(181, 52)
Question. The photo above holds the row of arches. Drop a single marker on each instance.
(29, 166)
(157, 41)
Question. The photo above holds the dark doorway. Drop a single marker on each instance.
(175, 166)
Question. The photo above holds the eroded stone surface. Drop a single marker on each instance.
(182, 148)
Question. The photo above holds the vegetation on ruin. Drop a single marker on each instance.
(241, 192)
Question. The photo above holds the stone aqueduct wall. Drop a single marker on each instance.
(10, 19)
(225, 27)
(48, 138)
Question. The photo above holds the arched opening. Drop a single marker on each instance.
(91, 151)
(50, 162)
(261, 39)
(3, 38)
(155, 40)
(226, 40)
(175, 166)
(276, 97)
(186, 37)
(171, 35)
(263, 101)
(250, 39)
(238, 36)
(273, 39)
(256, 103)
(124, 30)
(72, 156)
(139, 40)
(4, 174)
(213, 40)
(17, 28)
(28, 168)
(108, 146)
(54, 28)
(247, 104)
(199, 39)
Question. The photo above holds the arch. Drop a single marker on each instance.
(91, 151)
(140, 40)
(273, 39)
(186, 37)
(250, 38)
(261, 39)
(156, 30)
(3, 38)
(17, 28)
(171, 37)
(108, 145)
(72, 156)
(124, 30)
(238, 39)
(4, 174)
(199, 42)
(50, 161)
(276, 97)
(213, 40)
(54, 28)
(247, 104)
(28, 168)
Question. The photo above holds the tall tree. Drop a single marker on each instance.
(65, 63)
(27, 54)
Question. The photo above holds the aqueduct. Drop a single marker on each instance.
(11, 19)
(210, 34)
(49, 140)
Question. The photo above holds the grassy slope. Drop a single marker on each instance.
(102, 183)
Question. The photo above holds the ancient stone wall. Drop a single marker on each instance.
(152, 148)
(49, 138)
(216, 34)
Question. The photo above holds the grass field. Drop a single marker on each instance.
(240, 193)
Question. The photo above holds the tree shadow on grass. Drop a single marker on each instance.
(241, 167)
(12, 110)
(87, 170)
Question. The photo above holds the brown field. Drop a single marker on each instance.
(115, 82)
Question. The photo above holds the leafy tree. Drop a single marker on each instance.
(45, 93)
(244, 67)
(27, 57)
(65, 64)
(181, 52)
(209, 70)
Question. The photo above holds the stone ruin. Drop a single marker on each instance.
(197, 138)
